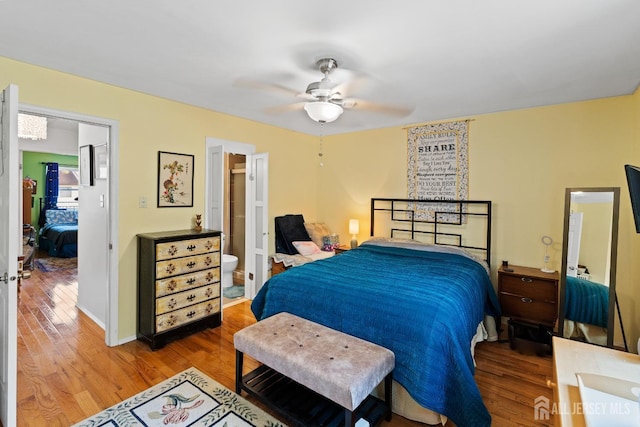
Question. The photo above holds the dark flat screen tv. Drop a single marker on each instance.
(633, 180)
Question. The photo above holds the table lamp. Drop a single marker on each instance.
(354, 228)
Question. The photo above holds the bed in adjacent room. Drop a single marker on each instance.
(425, 302)
(59, 234)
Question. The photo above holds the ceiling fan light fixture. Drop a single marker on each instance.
(323, 111)
(32, 127)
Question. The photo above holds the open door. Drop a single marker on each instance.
(10, 231)
(257, 233)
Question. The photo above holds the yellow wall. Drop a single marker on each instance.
(150, 124)
(521, 160)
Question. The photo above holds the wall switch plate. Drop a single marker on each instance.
(142, 202)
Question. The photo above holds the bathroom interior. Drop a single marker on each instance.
(234, 228)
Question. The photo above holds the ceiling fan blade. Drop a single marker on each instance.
(255, 84)
(394, 110)
(351, 86)
(285, 108)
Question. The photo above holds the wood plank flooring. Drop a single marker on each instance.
(67, 373)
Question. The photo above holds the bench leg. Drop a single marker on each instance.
(388, 384)
(348, 418)
(239, 360)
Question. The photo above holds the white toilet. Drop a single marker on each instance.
(229, 263)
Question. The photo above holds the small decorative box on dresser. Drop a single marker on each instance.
(528, 297)
(178, 284)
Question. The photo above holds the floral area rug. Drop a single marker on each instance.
(54, 264)
(187, 399)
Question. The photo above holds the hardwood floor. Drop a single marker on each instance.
(66, 372)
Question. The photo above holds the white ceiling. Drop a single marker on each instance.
(442, 59)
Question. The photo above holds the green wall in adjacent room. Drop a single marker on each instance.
(33, 167)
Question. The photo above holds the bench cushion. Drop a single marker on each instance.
(338, 366)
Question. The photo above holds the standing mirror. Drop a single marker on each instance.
(588, 275)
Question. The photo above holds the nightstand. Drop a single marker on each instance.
(341, 248)
(529, 298)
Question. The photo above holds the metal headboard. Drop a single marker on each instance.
(441, 222)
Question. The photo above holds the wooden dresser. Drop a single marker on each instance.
(529, 298)
(178, 284)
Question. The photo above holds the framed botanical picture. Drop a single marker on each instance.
(175, 180)
(86, 165)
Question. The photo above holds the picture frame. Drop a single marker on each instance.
(86, 165)
(100, 161)
(175, 180)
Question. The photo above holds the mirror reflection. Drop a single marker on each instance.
(587, 288)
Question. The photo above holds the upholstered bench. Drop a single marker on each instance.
(341, 368)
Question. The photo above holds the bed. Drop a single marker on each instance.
(425, 302)
(59, 234)
(586, 310)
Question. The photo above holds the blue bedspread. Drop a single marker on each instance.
(586, 302)
(424, 306)
(60, 239)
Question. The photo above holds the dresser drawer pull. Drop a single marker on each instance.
(208, 261)
(191, 281)
(209, 292)
(191, 264)
(191, 314)
(526, 300)
(170, 268)
(209, 245)
(190, 248)
(191, 297)
(526, 279)
(209, 277)
(172, 250)
(172, 285)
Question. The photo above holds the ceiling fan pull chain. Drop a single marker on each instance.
(320, 154)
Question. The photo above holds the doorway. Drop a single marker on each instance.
(234, 226)
(98, 260)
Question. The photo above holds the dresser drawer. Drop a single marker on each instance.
(531, 287)
(187, 315)
(183, 299)
(528, 309)
(186, 281)
(184, 248)
(189, 264)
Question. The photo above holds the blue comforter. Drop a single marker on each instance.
(424, 306)
(586, 301)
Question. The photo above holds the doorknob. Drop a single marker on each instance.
(25, 274)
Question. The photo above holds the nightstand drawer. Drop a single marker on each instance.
(527, 308)
(531, 287)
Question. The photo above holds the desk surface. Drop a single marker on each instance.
(570, 357)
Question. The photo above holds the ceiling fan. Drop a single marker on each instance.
(325, 101)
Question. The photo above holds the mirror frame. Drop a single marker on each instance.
(614, 254)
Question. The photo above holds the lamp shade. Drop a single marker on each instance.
(354, 226)
(323, 111)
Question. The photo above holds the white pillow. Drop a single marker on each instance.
(316, 231)
(306, 248)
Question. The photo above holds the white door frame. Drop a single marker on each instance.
(111, 323)
(9, 251)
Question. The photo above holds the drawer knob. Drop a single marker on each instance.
(526, 279)
(190, 248)
(191, 264)
(526, 300)
(191, 281)
(191, 297)
(191, 314)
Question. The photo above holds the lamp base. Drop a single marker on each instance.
(547, 270)
(354, 243)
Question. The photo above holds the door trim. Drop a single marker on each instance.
(111, 324)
